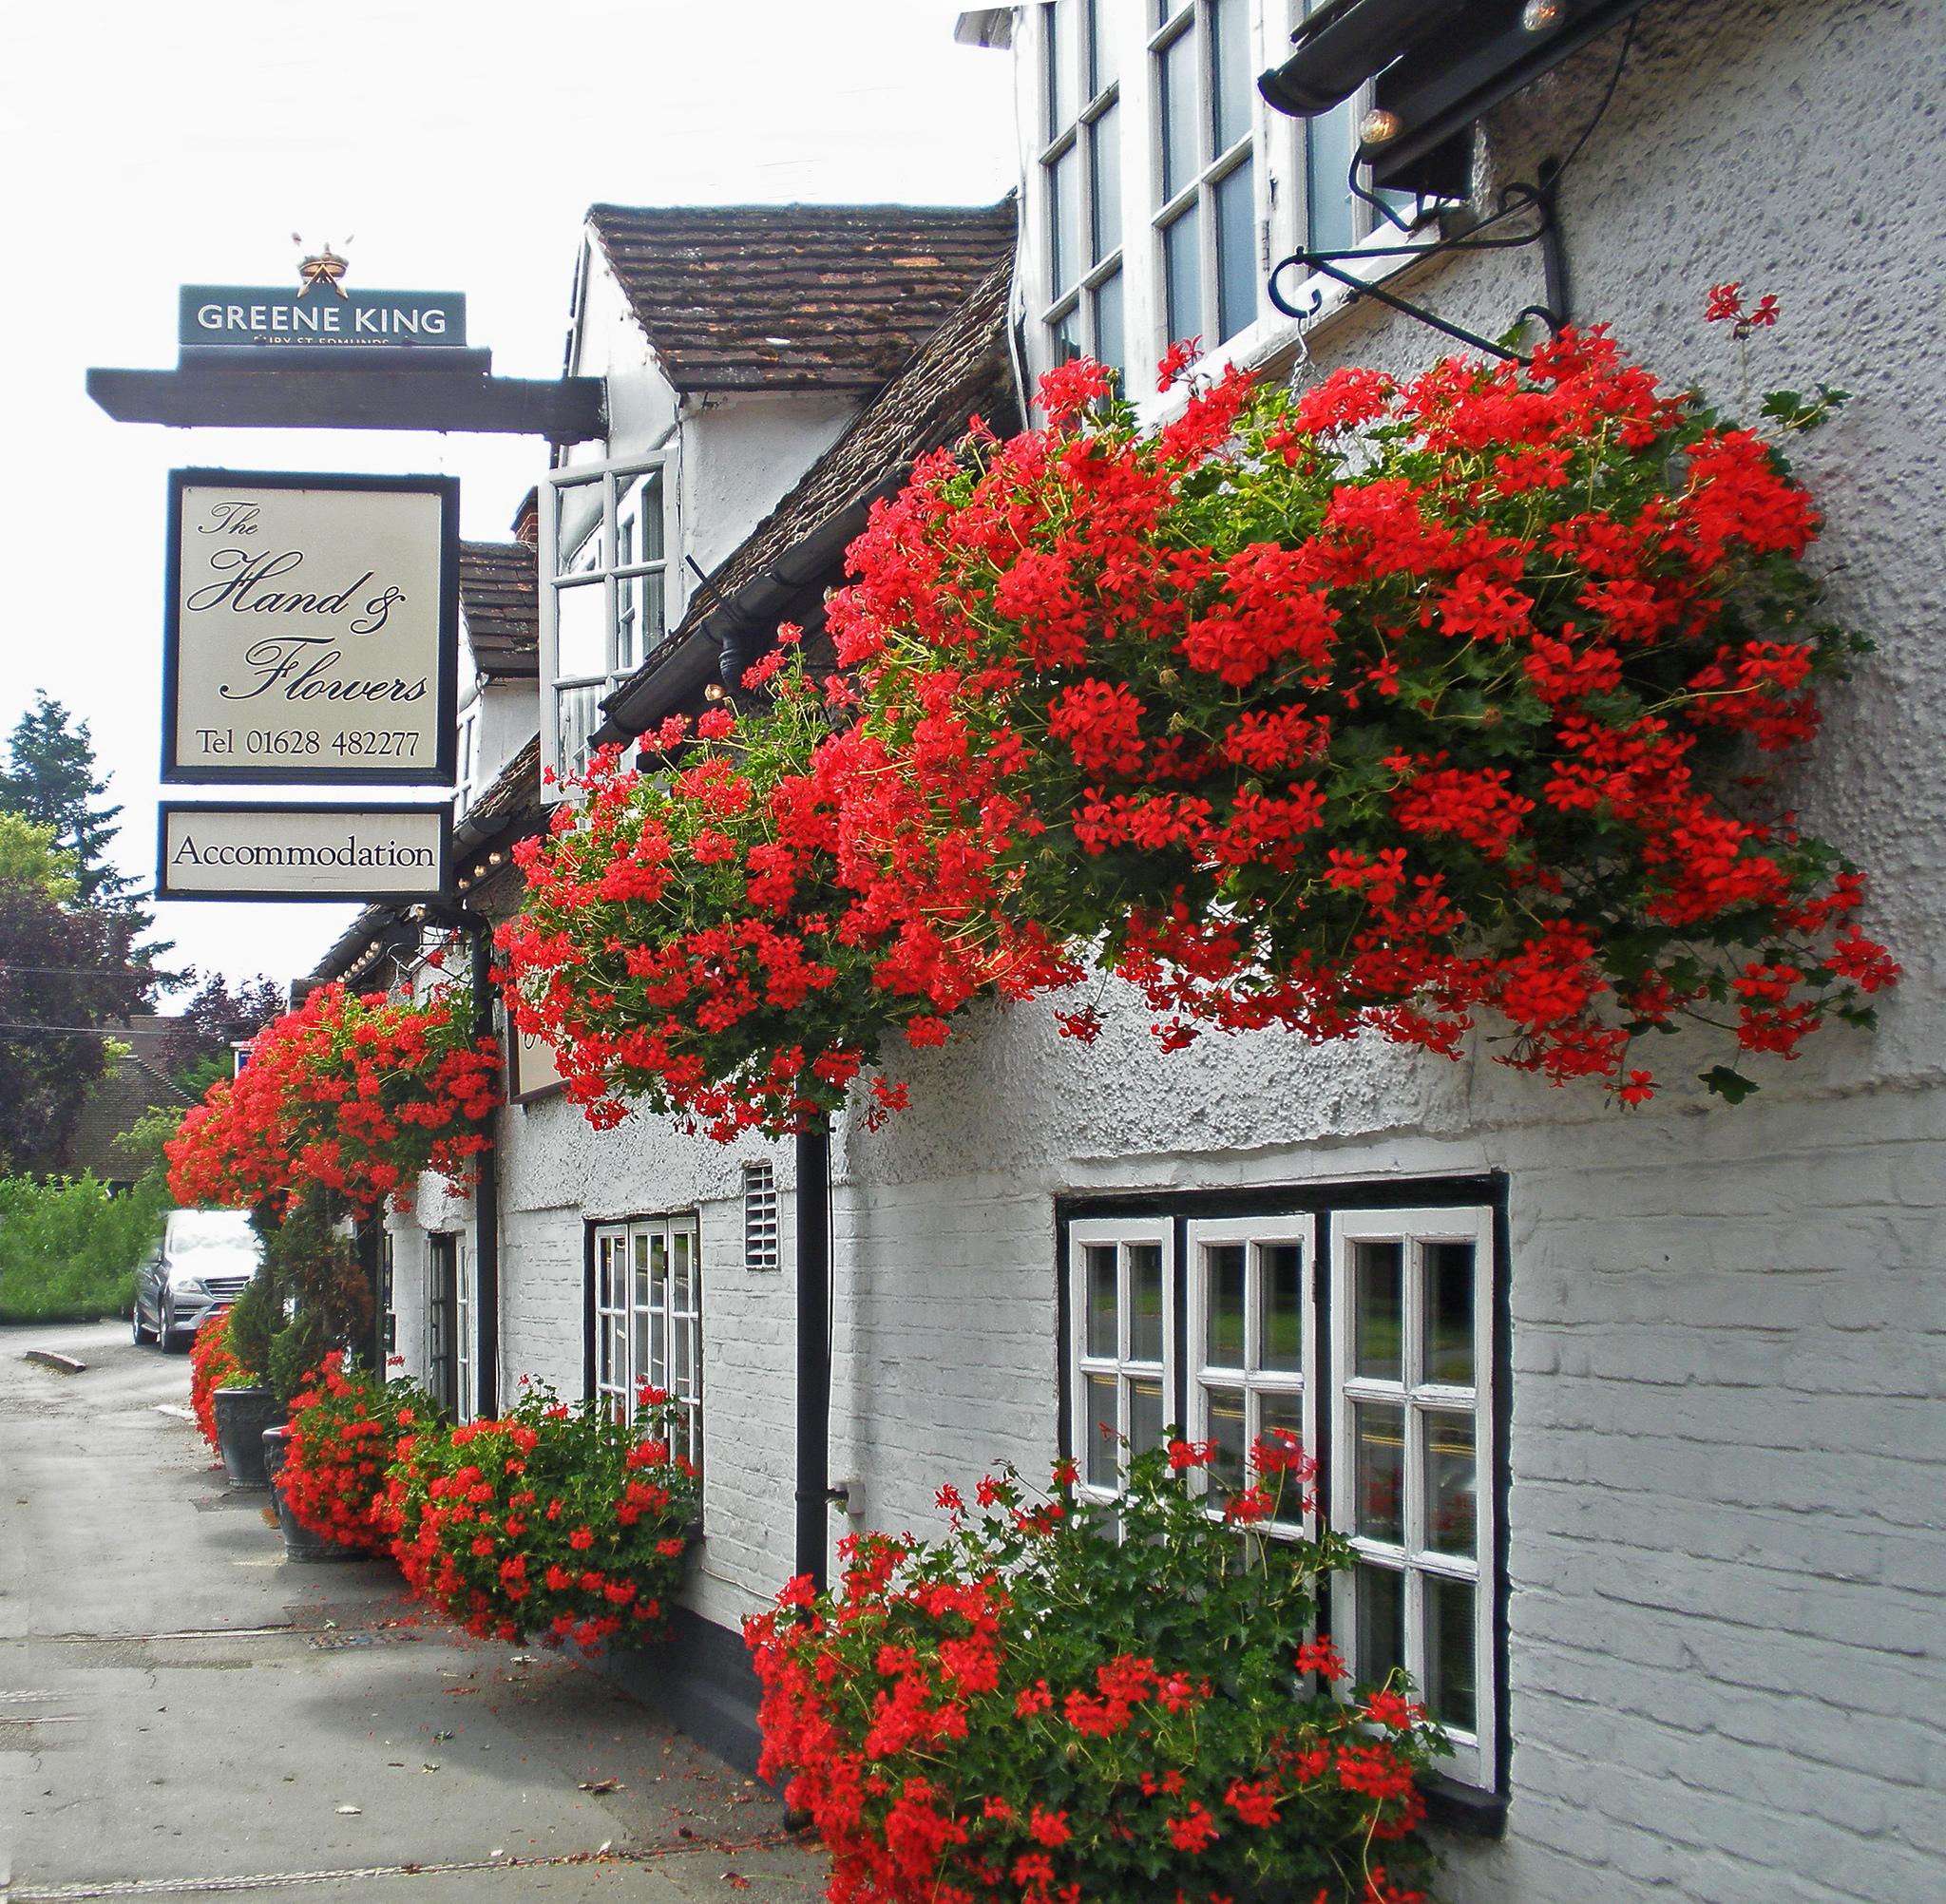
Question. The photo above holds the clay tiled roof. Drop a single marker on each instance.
(516, 787)
(961, 371)
(499, 598)
(796, 296)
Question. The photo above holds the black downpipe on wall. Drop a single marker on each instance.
(813, 1349)
(487, 1200)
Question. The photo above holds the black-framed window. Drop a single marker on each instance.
(1370, 1318)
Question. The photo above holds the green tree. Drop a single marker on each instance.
(51, 781)
(29, 858)
(197, 1052)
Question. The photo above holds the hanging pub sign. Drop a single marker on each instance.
(310, 633)
(533, 1071)
(324, 852)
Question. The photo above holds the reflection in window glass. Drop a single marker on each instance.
(1180, 106)
(1109, 345)
(1104, 140)
(1145, 1302)
(1101, 1259)
(1064, 229)
(1102, 70)
(1145, 1416)
(1236, 263)
(1230, 70)
(1381, 1476)
(1379, 1269)
(1449, 1321)
(1449, 1665)
(1279, 1314)
(1100, 1428)
(1228, 1429)
(1223, 1287)
(1451, 1511)
(581, 619)
(1182, 276)
(1063, 64)
(1327, 150)
(577, 718)
(1381, 1624)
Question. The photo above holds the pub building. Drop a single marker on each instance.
(1687, 1568)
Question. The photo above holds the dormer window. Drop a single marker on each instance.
(607, 603)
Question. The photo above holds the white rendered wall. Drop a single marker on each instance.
(1729, 1324)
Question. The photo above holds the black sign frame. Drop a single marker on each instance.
(443, 770)
(338, 809)
(518, 1093)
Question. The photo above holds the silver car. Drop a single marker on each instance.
(201, 1267)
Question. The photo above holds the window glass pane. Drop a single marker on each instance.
(1104, 158)
(1145, 1302)
(1098, 1428)
(1066, 332)
(638, 519)
(577, 723)
(1236, 262)
(1103, 68)
(1063, 64)
(681, 1252)
(1381, 1476)
(1381, 1624)
(1449, 1653)
(1377, 1270)
(1327, 148)
(1280, 1297)
(1223, 1286)
(1227, 1429)
(1278, 1409)
(1451, 1510)
(578, 527)
(1064, 219)
(1182, 275)
(1230, 69)
(582, 631)
(1109, 346)
(1101, 1301)
(1181, 104)
(1145, 1416)
(1449, 1321)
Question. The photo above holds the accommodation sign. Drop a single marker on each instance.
(311, 628)
(323, 315)
(315, 851)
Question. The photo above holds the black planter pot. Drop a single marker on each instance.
(242, 1415)
(299, 1542)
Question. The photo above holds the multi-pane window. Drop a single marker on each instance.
(760, 1249)
(1080, 174)
(1410, 1306)
(469, 757)
(1249, 1340)
(608, 599)
(1368, 1334)
(647, 1317)
(1121, 1299)
(1204, 201)
(451, 1322)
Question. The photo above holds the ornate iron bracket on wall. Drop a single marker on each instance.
(1531, 206)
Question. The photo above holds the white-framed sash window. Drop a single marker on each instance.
(608, 538)
(1079, 177)
(1411, 1305)
(1251, 1344)
(647, 1316)
(1121, 1303)
(1370, 1333)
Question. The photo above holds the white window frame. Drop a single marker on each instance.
(468, 756)
(1471, 1761)
(1124, 1369)
(1251, 1377)
(1071, 307)
(611, 576)
(465, 1342)
(639, 1321)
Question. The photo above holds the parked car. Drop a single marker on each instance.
(201, 1267)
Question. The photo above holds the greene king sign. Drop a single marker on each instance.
(302, 852)
(311, 630)
(319, 317)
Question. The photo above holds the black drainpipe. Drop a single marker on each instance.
(485, 1199)
(814, 1348)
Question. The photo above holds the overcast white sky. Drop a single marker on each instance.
(150, 143)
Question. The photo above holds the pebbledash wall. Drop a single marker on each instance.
(1726, 1570)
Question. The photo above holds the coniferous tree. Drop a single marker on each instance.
(51, 780)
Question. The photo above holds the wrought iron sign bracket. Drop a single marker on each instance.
(1533, 204)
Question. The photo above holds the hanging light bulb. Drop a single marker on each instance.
(1379, 127)
(1541, 16)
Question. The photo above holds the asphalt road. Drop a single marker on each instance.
(186, 1714)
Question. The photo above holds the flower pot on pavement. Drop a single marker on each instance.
(299, 1542)
(242, 1415)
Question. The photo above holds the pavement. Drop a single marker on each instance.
(186, 1714)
